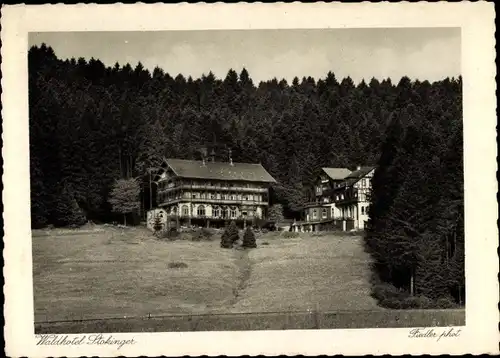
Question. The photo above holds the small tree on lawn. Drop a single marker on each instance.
(249, 238)
(229, 236)
(157, 224)
(124, 197)
(275, 213)
(66, 210)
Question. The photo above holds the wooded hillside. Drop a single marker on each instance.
(91, 125)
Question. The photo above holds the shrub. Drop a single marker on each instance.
(445, 302)
(290, 234)
(177, 265)
(416, 302)
(171, 234)
(249, 239)
(394, 303)
(384, 291)
(157, 224)
(203, 234)
(230, 236)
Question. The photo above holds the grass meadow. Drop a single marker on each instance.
(112, 273)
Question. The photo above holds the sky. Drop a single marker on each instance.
(419, 53)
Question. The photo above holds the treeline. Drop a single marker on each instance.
(416, 226)
(91, 124)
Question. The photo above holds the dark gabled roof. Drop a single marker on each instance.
(360, 173)
(337, 173)
(195, 169)
(354, 177)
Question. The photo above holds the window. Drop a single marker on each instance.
(244, 213)
(233, 212)
(233, 196)
(202, 196)
(185, 210)
(323, 214)
(341, 196)
(315, 214)
(362, 210)
(224, 213)
(201, 210)
(216, 212)
(195, 195)
(213, 196)
(245, 197)
(218, 196)
(333, 211)
(250, 197)
(174, 210)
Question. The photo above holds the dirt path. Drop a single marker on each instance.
(244, 271)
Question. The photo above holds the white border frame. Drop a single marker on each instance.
(480, 335)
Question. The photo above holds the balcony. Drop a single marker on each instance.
(214, 201)
(315, 204)
(346, 196)
(213, 188)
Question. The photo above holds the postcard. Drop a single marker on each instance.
(249, 179)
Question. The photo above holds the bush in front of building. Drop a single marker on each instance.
(249, 238)
(203, 234)
(157, 224)
(230, 236)
(290, 234)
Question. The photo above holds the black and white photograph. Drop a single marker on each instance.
(246, 180)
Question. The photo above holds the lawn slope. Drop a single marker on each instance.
(126, 272)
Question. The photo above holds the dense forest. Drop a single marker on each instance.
(91, 125)
(416, 228)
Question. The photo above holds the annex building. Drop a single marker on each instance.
(341, 200)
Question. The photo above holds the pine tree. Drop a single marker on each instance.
(67, 212)
(249, 238)
(157, 223)
(230, 236)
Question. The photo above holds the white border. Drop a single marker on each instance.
(477, 22)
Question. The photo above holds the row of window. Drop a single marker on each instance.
(217, 212)
(344, 211)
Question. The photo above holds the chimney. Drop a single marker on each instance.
(230, 157)
(204, 156)
(212, 156)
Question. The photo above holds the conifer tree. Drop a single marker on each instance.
(230, 236)
(249, 238)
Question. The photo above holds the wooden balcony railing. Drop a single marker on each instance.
(212, 188)
(213, 201)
